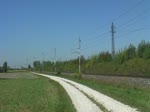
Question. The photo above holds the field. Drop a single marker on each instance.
(24, 92)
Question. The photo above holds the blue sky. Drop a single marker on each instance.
(31, 29)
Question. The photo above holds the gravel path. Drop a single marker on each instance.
(80, 101)
(83, 104)
(109, 103)
(18, 75)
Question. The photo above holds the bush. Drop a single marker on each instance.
(142, 48)
(146, 53)
(58, 73)
(120, 58)
(130, 52)
(136, 66)
(77, 75)
(104, 57)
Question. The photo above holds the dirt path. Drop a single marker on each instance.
(83, 104)
(18, 75)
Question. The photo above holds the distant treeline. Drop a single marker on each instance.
(129, 61)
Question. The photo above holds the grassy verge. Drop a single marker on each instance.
(33, 95)
(136, 97)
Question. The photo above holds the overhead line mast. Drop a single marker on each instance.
(79, 55)
(55, 69)
(113, 42)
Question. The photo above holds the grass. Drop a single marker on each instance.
(16, 70)
(33, 95)
(134, 96)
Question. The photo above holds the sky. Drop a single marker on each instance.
(32, 29)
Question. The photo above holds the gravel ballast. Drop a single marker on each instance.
(84, 104)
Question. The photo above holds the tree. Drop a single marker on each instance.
(146, 54)
(130, 52)
(37, 65)
(29, 67)
(5, 66)
(142, 48)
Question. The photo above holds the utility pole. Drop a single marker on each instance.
(79, 55)
(33, 63)
(27, 63)
(55, 59)
(113, 43)
(43, 61)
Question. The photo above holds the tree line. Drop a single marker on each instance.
(130, 60)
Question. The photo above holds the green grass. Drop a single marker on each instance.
(134, 96)
(14, 71)
(33, 95)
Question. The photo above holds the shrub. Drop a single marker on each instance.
(120, 58)
(77, 75)
(136, 66)
(130, 52)
(104, 57)
(146, 53)
(142, 48)
(58, 73)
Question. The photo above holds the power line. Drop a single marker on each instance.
(134, 18)
(93, 39)
(135, 30)
(98, 37)
(129, 10)
(125, 13)
(120, 16)
(93, 44)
